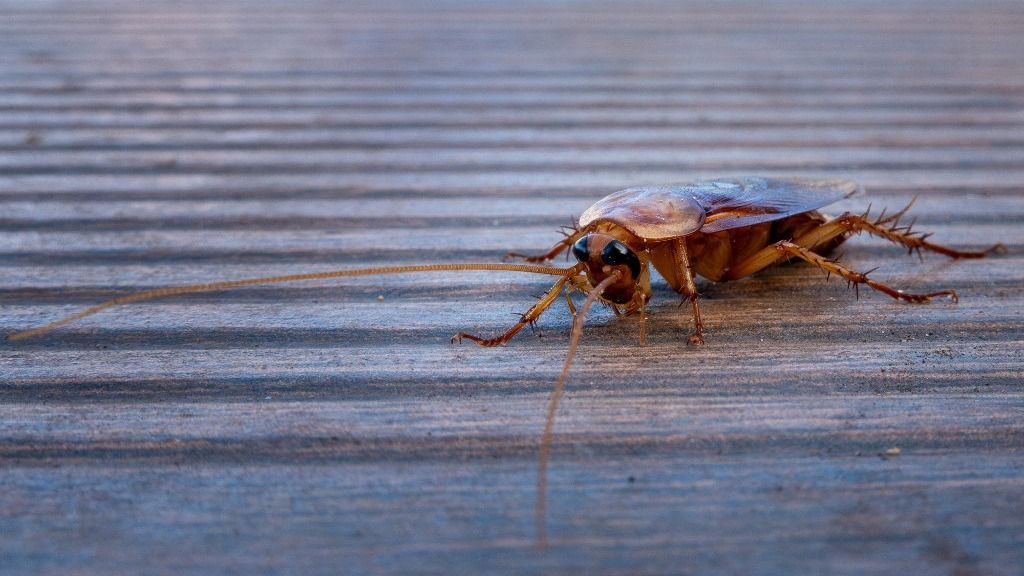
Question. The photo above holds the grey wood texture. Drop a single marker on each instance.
(330, 427)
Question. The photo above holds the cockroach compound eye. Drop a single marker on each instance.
(581, 248)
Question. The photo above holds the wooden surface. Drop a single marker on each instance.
(316, 428)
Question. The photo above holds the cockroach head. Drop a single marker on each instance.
(603, 255)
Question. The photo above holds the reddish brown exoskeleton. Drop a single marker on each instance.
(722, 230)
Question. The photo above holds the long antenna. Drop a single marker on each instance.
(214, 286)
(556, 395)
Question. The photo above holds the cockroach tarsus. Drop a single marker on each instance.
(722, 230)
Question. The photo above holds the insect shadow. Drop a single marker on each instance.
(722, 230)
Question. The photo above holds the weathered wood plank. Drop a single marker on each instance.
(317, 428)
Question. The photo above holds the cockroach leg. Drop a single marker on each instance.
(642, 297)
(643, 319)
(689, 289)
(890, 229)
(527, 318)
(802, 248)
(856, 278)
(558, 248)
(569, 303)
(786, 249)
(886, 227)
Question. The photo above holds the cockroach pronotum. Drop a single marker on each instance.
(722, 230)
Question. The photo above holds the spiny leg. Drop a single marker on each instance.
(569, 303)
(884, 226)
(558, 248)
(528, 318)
(688, 288)
(785, 249)
(770, 255)
(889, 228)
(643, 320)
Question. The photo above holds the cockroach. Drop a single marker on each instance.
(722, 230)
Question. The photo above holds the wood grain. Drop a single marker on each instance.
(330, 427)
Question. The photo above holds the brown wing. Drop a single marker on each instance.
(650, 212)
(675, 210)
(746, 201)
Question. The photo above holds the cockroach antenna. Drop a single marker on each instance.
(229, 284)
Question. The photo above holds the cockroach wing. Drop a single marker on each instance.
(746, 201)
(675, 210)
(649, 212)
